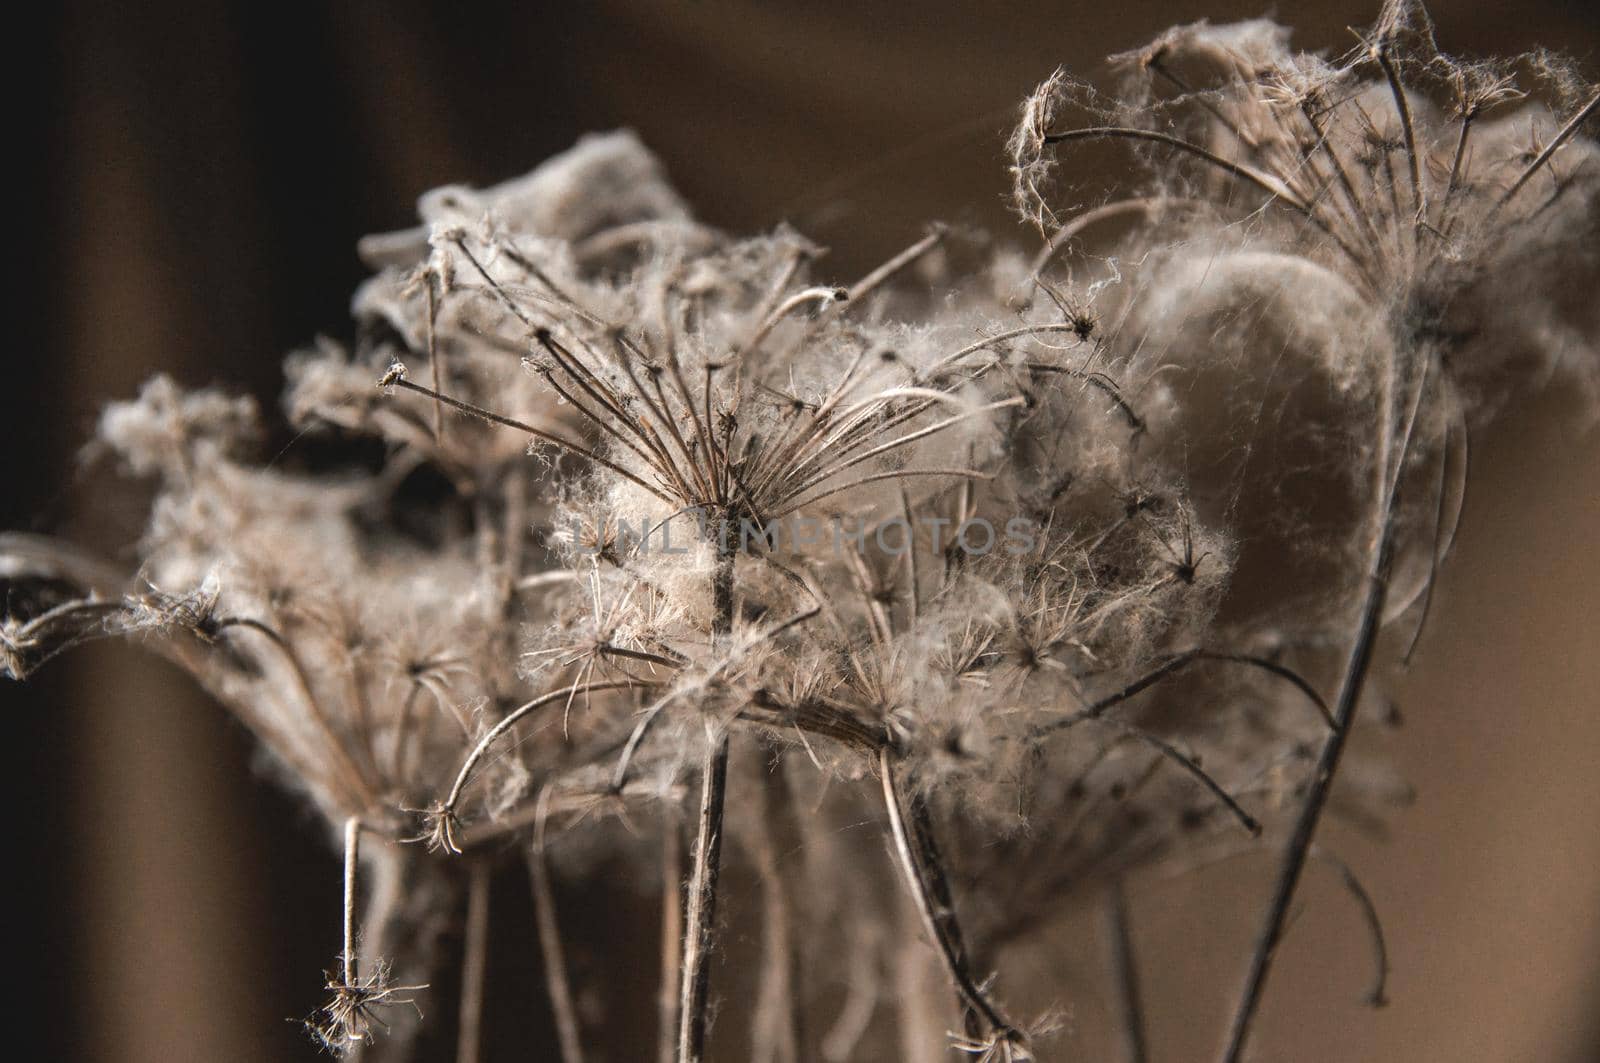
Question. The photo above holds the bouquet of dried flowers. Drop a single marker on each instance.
(1040, 567)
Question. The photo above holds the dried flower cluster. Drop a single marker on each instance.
(1038, 567)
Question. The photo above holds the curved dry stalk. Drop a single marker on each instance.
(396, 378)
(894, 444)
(1378, 995)
(581, 800)
(878, 477)
(823, 295)
(445, 813)
(1262, 180)
(930, 891)
(1199, 774)
(355, 778)
(1000, 337)
(1094, 216)
(649, 715)
(77, 618)
(1173, 665)
(24, 556)
(1444, 529)
(1419, 197)
(636, 737)
(838, 436)
(1099, 381)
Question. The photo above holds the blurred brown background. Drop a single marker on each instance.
(194, 183)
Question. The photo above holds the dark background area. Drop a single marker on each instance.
(192, 184)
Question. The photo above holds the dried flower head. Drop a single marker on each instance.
(354, 1013)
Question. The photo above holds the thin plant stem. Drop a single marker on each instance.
(349, 970)
(1262, 180)
(474, 963)
(1457, 159)
(434, 368)
(930, 890)
(1352, 201)
(398, 759)
(861, 1000)
(700, 914)
(1436, 552)
(672, 861)
(1199, 774)
(818, 477)
(1389, 470)
(514, 717)
(876, 279)
(700, 911)
(355, 778)
(1299, 844)
(918, 995)
(557, 984)
(1125, 969)
(776, 1034)
(395, 377)
(1177, 663)
(1419, 199)
(1144, 205)
(1098, 381)
(1201, 98)
(820, 296)
(1551, 148)
(1378, 995)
